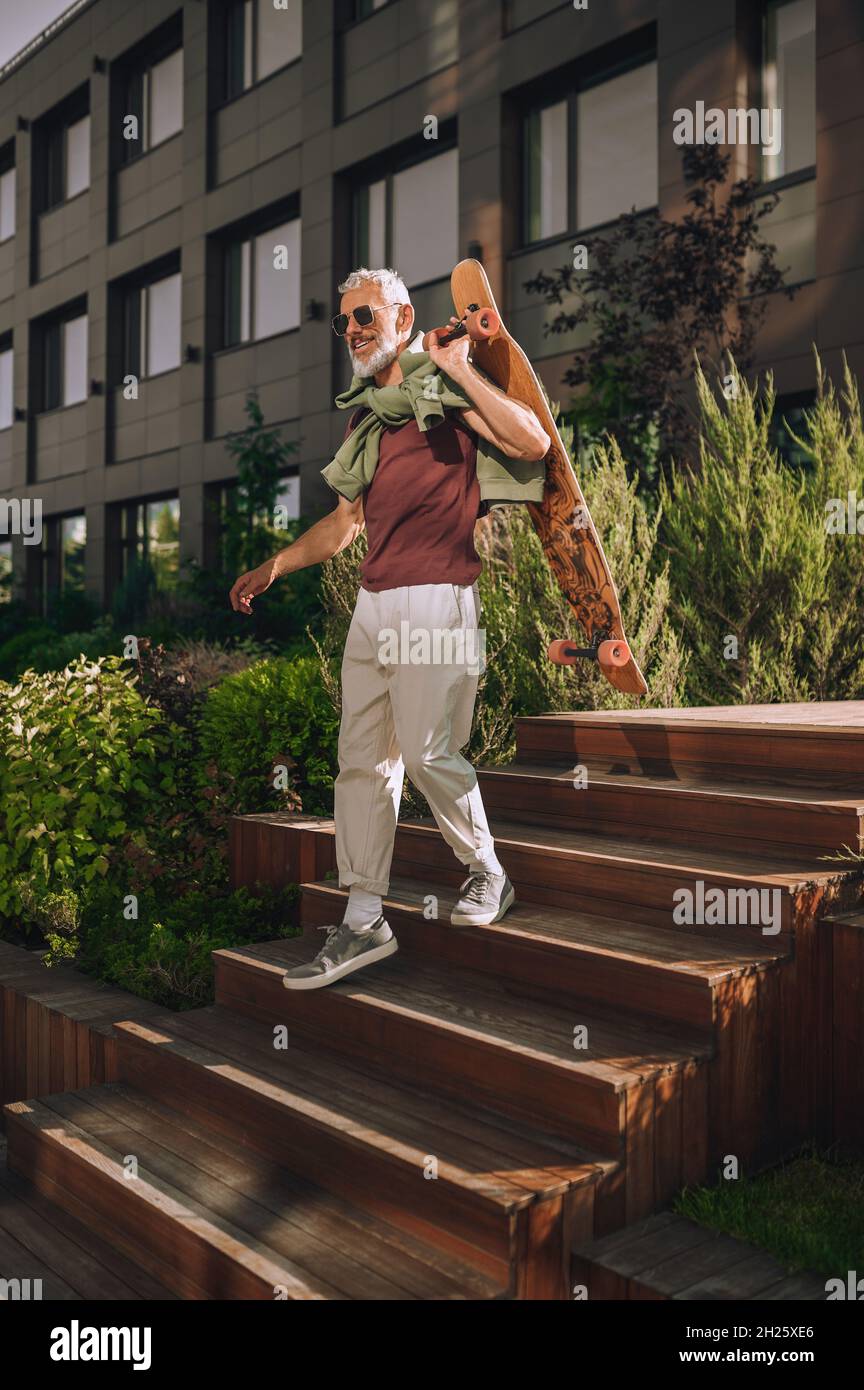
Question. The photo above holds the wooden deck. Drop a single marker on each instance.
(492, 1112)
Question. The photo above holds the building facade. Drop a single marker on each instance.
(183, 185)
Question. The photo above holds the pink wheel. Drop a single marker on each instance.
(483, 323)
(614, 653)
(557, 652)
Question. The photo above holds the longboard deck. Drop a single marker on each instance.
(562, 520)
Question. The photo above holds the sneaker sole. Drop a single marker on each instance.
(460, 920)
(340, 971)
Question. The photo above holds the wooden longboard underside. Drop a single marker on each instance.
(562, 520)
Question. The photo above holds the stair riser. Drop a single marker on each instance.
(386, 1186)
(184, 1262)
(636, 892)
(584, 1111)
(672, 816)
(759, 754)
(557, 972)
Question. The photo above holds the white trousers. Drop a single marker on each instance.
(402, 715)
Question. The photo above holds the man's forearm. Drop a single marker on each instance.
(315, 546)
(514, 424)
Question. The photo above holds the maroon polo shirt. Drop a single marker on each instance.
(421, 506)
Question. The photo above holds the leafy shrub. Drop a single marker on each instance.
(766, 599)
(81, 756)
(277, 712)
(165, 953)
(15, 651)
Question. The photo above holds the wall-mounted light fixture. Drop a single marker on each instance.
(20, 413)
(314, 310)
(23, 123)
(95, 387)
(475, 251)
(99, 64)
(192, 354)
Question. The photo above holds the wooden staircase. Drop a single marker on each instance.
(454, 1121)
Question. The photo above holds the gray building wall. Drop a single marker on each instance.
(359, 90)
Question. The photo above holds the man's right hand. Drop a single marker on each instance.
(248, 586)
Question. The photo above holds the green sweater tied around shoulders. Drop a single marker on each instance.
(424, 394)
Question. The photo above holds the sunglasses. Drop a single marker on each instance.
(363, 316)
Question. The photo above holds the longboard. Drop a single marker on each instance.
(562, 520)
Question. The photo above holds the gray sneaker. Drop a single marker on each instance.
(487, 898)
(344, 950)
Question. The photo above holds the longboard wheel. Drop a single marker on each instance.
(613, 653)
(558, 652)
(482, 324)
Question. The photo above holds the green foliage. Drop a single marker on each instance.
(655, 291)
(766, 599)
(81, 756)
(165, 953)
(15, 650)
(260, 455)
(808, 1211)
(278, 712)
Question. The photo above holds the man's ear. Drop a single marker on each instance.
(405, 321)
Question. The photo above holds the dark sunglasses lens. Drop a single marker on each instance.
(340, 324)
(363, 315)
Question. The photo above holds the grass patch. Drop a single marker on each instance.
(808, 1212)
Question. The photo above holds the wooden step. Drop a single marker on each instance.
(209, 1219)
(503, 1194)
(53, 1256)
(630, 879)
(667, 1256)
(793, 821)
(625, 967)
(821, 742)
(467, 1035)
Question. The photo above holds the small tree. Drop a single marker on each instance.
(655, 292)
(260, 454)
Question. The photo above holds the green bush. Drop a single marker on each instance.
(81, 758)
(275, 712)
(766, 599)
(15, 651)
(164, 954)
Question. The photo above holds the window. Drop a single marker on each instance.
(411, 220)
(5, 571)
(73, 545)
(546, 171)
(152, 327)
(6, 407)
(611, 126)
(260, 38)
(154, 95)
(262, 284)
(366, 7)
(65, 363)
(7, 199)
(150, 535)
(67, 161)
(789, 84)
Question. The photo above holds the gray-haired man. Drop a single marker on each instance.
(408, 471)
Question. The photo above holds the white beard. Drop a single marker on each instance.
(386, 352)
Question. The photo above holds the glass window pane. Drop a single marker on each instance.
(617, 146)
(163, 325)
(277, 286)
(789, 85)
(5, 571)
(77, 157)
(163, 541)
(247, 44)
(546, 173)
(73, 544)
(7, 204)
(377, 244)
(166, 98)
(426, 219)
(75, 360)
(6, 358)
(288, 496)
(280, 35)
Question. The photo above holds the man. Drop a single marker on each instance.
(429, 441)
